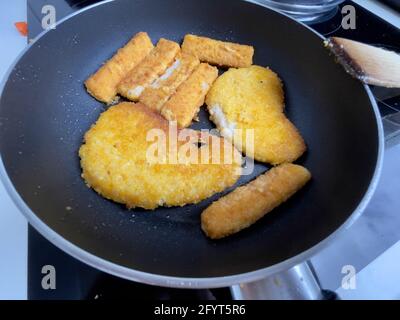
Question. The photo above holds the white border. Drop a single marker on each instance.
(381, 10)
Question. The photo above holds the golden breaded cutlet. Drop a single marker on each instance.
(186, 102)
(247, 204)
(103, 84)
(158, 93)
(154, 65)
(220, 53)
(115, 161)
(253, 99)
(253, 86)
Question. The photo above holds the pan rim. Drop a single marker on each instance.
(184, 282)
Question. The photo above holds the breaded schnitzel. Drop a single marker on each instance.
(220, 53)
(152, 66)
(103, 84)
(247, 204)
(186, 102)
(115, 161)
(253, 98)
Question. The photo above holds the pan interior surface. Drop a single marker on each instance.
(45, 111)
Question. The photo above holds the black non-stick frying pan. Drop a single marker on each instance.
(45, 110)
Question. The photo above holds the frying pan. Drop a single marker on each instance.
(45, 111)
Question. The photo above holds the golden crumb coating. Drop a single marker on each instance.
(115, 161)
(103, 84)
(154, 65)
(186, 102)
(158, 93)
(253, 99)
(220, 53)
(247, 204)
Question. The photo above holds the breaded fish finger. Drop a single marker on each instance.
(245, 205)
(220, 53)
(250, 100)
(164, 87)
(186, 102)
(154, 65)
(103, 84)
(117, 161)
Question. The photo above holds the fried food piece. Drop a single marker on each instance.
(154, 65)
(122, 162)
(103, 84)
(255, 85)
(186, 102)
(158, 93)
(220, 53)
(245, 205)
(253, 99)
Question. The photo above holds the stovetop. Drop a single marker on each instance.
(76, 280)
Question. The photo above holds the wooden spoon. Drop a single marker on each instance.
(369, 64)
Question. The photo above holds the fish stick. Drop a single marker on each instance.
(186, 102)
(103, 84)
(154, 65)
(245, 205)
(220, 53)
(157, 94)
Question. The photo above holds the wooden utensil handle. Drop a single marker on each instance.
(369, 64)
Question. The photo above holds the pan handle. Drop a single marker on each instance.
(297, 283)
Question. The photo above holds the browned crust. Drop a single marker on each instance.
(115, 163)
